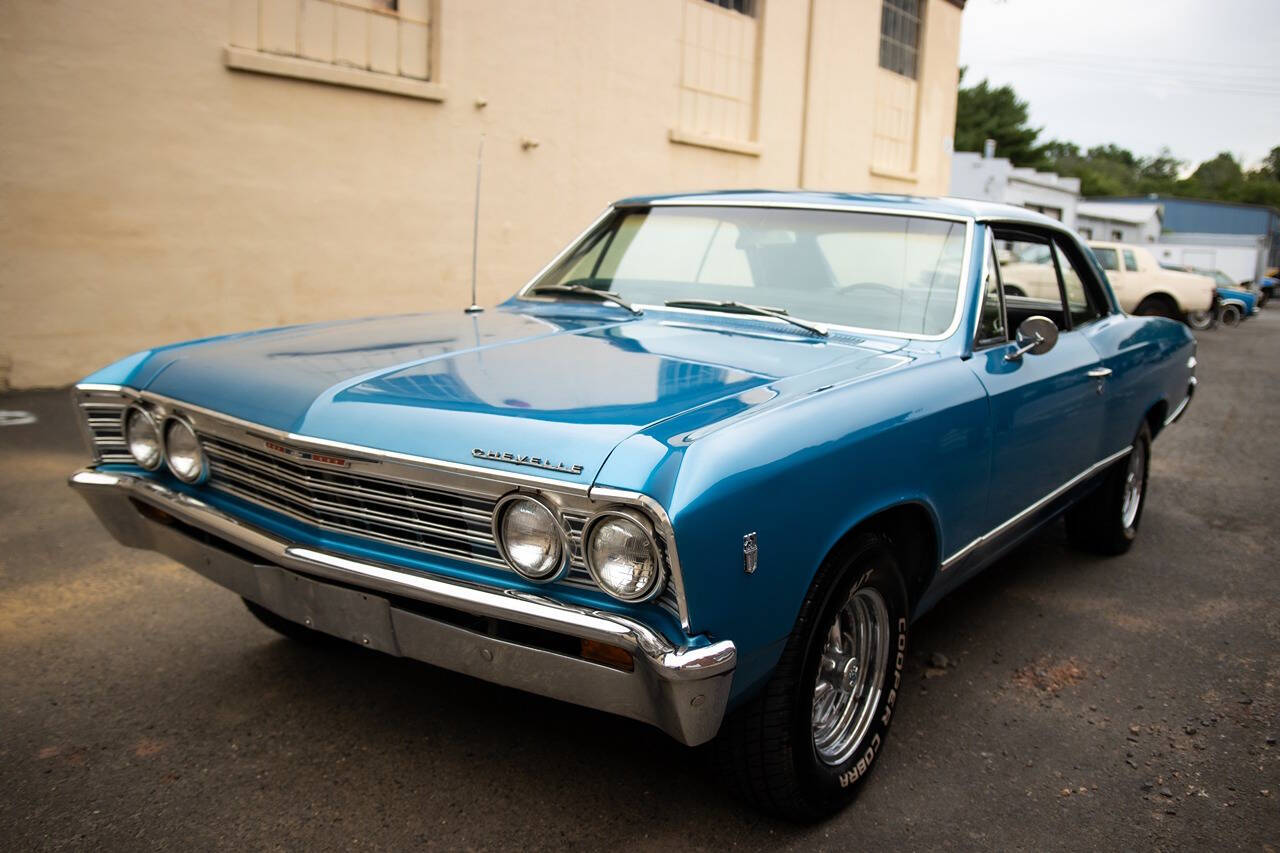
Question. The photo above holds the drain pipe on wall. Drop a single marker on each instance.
(804, 110)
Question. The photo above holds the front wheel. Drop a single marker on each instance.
(1231, 315)
(1106, 521)
(804, 745)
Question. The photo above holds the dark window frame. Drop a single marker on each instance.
(750, 8)
(987, 343)
(900, 19)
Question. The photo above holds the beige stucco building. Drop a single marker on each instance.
(176, 170)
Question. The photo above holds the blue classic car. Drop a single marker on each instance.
(703, 471)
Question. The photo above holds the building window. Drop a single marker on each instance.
(1086, 233)
(375, 44)
(720, 43)
(893, 137)
(745, 7)
(900, 37)
(1117, 235)
(1052, 212)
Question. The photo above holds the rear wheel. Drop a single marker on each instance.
(803, 747)
(1107, 520)
(1202, 320)
(1159, 306)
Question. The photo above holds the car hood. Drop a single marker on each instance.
(563, 390)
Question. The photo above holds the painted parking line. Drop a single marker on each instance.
(10, 417)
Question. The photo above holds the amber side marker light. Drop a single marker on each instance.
(152, 512)
(598, 652)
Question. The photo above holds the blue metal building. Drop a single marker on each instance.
(1194, 216)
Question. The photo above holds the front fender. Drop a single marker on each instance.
(800, 477)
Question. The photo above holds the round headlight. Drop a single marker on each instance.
(143, 437)
(529, 537)
(182, 451)
(621, 556)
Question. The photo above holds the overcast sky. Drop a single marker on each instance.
(1200, 76)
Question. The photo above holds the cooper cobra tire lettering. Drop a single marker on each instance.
(898, 661)
(864, 763)
(856, 772)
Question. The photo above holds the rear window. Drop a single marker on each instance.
(1108, 258)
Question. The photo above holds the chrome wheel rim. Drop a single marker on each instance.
(1200, 320)
(1133, 486)
(850, 676)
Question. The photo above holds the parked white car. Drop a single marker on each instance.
(1141, 285)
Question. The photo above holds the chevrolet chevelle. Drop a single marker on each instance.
(703, 471)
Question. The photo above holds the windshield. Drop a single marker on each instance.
(898, 274)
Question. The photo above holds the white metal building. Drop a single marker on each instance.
(1240, 256)
(990, 178)
(1121, 223)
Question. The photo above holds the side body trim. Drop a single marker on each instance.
(1005, 526)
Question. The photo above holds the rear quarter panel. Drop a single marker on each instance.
(1148, 359)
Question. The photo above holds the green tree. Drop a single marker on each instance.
(1220, 177)
(985, 112)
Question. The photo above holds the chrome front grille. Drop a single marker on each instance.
(446, 523)
(439, 521)
(103, 419)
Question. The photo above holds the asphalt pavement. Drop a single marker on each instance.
(1059, 701)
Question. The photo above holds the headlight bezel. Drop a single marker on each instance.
(642, 522)
(202, 473)
(500, 510)
(156, 428)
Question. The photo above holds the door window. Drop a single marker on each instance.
(1082, 308)
(1029, 278)
(1130, 262)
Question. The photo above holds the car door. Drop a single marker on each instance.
(1046, 410)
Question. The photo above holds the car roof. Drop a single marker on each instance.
(1114, 244)
(958, 207)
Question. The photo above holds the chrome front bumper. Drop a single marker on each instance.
(681, 690)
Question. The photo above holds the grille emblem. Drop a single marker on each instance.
(306, 455)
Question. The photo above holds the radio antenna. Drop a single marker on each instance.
(475, 308)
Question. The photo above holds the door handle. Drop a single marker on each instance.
(1099, 373)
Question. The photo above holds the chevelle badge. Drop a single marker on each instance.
(530, 461)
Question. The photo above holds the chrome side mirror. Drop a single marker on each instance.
(1036, 335)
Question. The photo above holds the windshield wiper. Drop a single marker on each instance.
(744, 308)
(583, 290)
